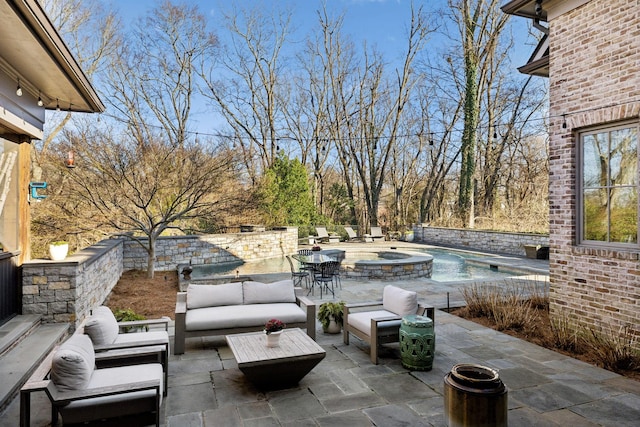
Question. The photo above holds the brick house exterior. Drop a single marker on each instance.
(594, 80)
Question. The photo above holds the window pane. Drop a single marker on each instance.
(595, 215)
(624, 161)
(624, 215)
(594, 160)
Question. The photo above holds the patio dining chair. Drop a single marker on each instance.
(298, 275)
(324, 277)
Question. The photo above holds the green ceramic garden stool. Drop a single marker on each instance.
(417, 342)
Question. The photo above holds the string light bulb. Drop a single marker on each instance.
(564, 121)
(57, 105)
(19, 89)
(40, 101)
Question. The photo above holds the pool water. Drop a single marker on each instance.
(448, 266)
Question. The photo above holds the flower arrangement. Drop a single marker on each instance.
(315, 248)
(274, 325)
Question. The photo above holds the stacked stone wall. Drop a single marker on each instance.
(66, 291)
(594, 80)
(481, 240)
(212, 249)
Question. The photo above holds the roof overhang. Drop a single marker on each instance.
(33, 51)
(538, 63)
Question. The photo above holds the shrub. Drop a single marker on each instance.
(614, 351)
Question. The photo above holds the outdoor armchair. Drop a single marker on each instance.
(80, 393)
(104, 330)
(379, 322)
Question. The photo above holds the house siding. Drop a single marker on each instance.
(594, 79)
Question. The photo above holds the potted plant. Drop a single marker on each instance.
(273, 328)
(58, 250)
(330, 315)
(128, 315)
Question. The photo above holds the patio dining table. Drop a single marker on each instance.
(313, 264)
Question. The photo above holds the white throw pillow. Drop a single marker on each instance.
(102, 326)
(267, 293)
(73, 363)
(399, 301)
(199, 296)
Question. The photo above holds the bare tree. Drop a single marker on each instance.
(250, 95)
(480, 24)
(90, 31)
(143, 190)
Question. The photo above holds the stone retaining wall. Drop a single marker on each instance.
(213, 249)
(487, 241)
(65, 291)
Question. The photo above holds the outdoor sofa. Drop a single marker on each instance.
(231, 308)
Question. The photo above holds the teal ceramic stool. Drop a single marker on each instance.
(417, 342)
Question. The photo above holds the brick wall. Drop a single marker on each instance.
(594, 80)
(490, 241)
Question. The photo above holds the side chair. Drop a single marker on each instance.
(379, 322)
(299, 275)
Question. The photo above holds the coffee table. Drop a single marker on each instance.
(275, 367)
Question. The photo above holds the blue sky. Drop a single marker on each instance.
(381, 23)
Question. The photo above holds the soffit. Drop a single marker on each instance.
(33, 51)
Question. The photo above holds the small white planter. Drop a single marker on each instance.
(58, 252)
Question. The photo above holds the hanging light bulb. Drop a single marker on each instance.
(19, 89)
(40, 101)
(564, 121)
(495, 131)
(57, 105)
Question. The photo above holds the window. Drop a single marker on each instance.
(608, 190)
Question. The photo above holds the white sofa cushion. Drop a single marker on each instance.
(199, 296)
(251, 315)
(73, 363)
(362, 320)
(101, 326)
(266, 293)
(399, 301)
(119, 404)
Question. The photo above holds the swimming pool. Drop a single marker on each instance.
(448, 265)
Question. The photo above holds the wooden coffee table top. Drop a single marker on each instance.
(251, 348)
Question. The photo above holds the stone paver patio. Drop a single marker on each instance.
(545, 388)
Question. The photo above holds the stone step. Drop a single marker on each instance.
(15, 329)
(18, 363)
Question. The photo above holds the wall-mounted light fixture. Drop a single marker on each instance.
(19, 89)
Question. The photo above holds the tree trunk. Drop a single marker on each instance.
(151, 251)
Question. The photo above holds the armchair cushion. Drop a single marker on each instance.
(102, 326)
(399, 301)
(362, 320)
(199, 296)
(72, 364)
(266, 293)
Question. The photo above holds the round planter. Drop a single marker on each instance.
(58, 252)
(333, 328)
(273, 339)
